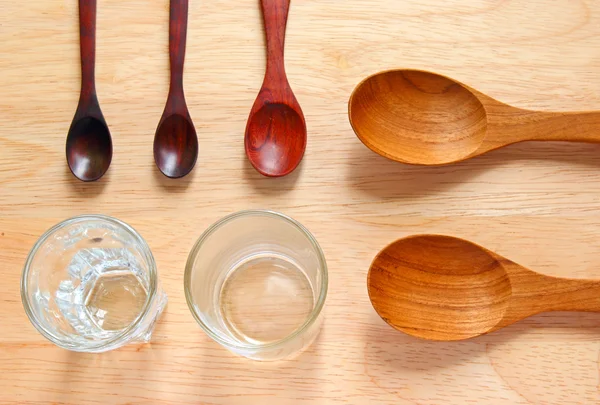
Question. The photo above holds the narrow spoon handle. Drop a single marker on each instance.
(574, 295)
(87, 44)
(177, 39)
(275, 14)
(550, 126)
(535, 293)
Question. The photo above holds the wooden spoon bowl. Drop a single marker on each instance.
(276, 139)
(89, 148)
(175, 145)
(418, 117)
(444, 288)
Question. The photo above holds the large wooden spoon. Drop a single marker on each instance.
(175, 141)
(276, 130)
(89, 146)
(423, 118)
(445, 288)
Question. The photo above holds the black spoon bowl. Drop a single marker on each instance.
(175, 146)
(89, 148)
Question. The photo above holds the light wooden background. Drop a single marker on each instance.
(534, 203)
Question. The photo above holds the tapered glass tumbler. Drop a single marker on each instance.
(256, 282)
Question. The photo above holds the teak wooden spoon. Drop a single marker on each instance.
(89, 144)
(175, 141)
(276, 130)
(418, 117)
(444, 288)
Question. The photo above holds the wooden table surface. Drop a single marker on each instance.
(534, 203)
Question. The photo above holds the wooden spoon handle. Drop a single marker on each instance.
(87, 44)
(545, 126)
(535, 293)
(275, 14)
(178, 18)
(575, 295)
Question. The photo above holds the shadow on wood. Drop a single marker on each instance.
(271, 185)
(86, 189)
(384, 178)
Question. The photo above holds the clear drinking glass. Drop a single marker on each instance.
(256, 282)
(90, 284)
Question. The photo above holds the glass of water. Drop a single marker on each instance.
(90, 284)
(256, 282)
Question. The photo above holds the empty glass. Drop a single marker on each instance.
(256, 282)
(90, 284)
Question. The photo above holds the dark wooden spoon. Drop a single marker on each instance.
(175, 141)
(276, 130)
(444, 288)
(89, 145)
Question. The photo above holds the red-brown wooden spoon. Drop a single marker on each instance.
(175, 141)
(276, 131)
(89, 145)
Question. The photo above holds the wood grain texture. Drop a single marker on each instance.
(175, 141)
(89, 144)
(275, 138)
(444, 288)
(535, 203)
(418, 117)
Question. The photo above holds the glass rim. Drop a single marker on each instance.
(123, 334)
(310, 319)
